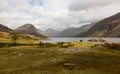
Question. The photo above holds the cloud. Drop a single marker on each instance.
(57, 14)
(86, 4)
(98, 13)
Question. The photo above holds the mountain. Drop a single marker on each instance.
(73, 31)
(108, 27)
(5, 32)
(4, 28)
(5, 35)
(69, 32)
(52, 32)
(32, 30)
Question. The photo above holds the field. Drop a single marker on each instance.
(58, 58)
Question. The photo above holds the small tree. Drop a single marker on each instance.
(14, 38)
(41, 43)
(81, 40)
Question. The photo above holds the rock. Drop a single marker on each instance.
(53, 60)
(21, 54)
(69, 64)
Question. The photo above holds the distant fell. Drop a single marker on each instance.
(52, 32)
(73, 31)
(108, 27)
(5, 28)
(32, 30)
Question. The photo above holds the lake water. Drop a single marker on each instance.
(51, 40)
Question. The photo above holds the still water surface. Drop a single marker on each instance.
(51, 40)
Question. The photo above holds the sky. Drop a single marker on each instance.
(56, 14)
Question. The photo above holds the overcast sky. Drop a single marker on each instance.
(57, 14)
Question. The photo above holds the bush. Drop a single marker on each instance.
(112, 45)
(14, 38)
(97, 40)
(41, 43)
(81, 40)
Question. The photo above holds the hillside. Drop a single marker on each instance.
(32, 30)
(109, 27)
(5, 35)
(73, 31)
(4, 28)
(69, 32)
(52, 32)
(5, 32)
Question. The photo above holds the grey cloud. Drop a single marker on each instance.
(86, 4)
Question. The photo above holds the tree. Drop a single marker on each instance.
(81, 40)
(14, 38)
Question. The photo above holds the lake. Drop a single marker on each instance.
(51, 40)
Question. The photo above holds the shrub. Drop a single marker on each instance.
(81, 40)
(14, 38)
(41, 43)
(97, 40)
(112, 45)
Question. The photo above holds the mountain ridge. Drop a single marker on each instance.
(108, 27)
(73, 31)
(5, 28)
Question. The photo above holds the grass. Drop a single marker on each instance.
(4, 40)
(37, 60)
(20, 40)
(49, 59)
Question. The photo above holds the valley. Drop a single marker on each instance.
(30, 56)
(92, 48)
